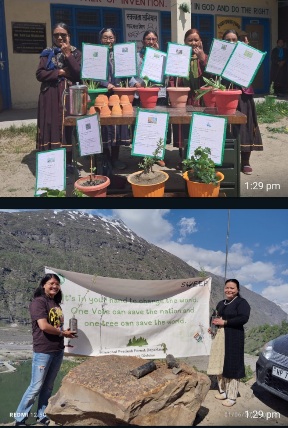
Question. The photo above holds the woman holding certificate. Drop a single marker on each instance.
(194, 81)
(59, 68)
(112, 136)
(250, 137)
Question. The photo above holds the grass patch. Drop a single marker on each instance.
(249, 374)
(280, 130)
(29, 130)
(268, 113)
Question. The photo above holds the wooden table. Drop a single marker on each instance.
(177, 116)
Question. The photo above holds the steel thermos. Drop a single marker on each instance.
(73, 324)
(78, 97)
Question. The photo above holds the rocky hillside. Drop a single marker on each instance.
(72, 240)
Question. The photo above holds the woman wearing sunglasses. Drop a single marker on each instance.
(59, 68)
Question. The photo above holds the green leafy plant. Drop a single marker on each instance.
(200, 167)
(91, 84)
(52, 193)
(79, 194)
(149, 161)
(185, 7)
(211, 85)
(148, 83)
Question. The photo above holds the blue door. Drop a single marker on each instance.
(259, 31)
(5, 97)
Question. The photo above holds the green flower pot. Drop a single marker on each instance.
(93, 94)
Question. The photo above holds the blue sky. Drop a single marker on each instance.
(258, 242)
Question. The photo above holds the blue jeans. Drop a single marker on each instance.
(44, 371)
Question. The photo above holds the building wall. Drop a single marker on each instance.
(22, 67)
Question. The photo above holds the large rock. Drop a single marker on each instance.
(101, 391)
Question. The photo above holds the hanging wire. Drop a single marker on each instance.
(227, 242)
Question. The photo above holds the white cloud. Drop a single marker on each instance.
(277, 294)
(284, 272)
(149, 224)
(187, 226)
(281, 248)
(249, 286)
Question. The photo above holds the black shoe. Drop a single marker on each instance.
(44, 421)
(20, 424)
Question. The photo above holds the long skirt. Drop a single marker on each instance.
(250, 137)
(51, 133)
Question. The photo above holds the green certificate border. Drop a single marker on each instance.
(225, 41)
(224, 134)
(178, 75)
(135, 51)
(255, 72)
(145, 75)
(64, 169)
(82, 59)
(100, 136)
(139, 110)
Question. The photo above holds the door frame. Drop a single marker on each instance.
(4, 74)
(266, 23)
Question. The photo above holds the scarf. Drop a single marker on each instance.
(55, 57)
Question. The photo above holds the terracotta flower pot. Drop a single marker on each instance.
(113, 99)
(116, 110)
(130, 92)
(93, 93)
(127, 109)
(99, 190)
(148, 190)
(148, 97)
(105, 111)
(203, 190)
(209, 98)
(227, 101)
(178, 96)
(101, 100)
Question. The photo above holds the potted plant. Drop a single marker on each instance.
(178, 95)
(271, 98)
(149, 183)
(200, 175)
(93, 91)
(52, 193)
(92, 185)
(124, 89)
(148, 94)
(225, 99)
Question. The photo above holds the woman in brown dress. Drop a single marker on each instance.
(59, 68)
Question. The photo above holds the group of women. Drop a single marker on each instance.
(60, 67)
(226, 356)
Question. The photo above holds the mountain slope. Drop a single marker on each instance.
(72, 240)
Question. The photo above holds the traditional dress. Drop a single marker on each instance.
(236, 312)
(51, 133)
(279, 69)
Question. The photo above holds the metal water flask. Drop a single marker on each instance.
(73, 324)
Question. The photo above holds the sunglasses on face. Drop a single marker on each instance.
(62, 35)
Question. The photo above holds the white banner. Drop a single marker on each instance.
(137, 4)
(143, 318)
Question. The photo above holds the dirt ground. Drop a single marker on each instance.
(18, 166)
(254, 406)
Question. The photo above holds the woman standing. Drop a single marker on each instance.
(150, 40)
(112, 136)
(194, 81)
(279, 68)
(227, 351)
(58, 69)
(250, 137)
(48, 348)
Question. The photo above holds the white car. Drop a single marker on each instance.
(272, 367)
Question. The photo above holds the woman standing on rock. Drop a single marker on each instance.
(227, 351)
(48, 348)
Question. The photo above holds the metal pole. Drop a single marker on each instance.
(227, 241)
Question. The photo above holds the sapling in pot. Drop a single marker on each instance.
(200, 167)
